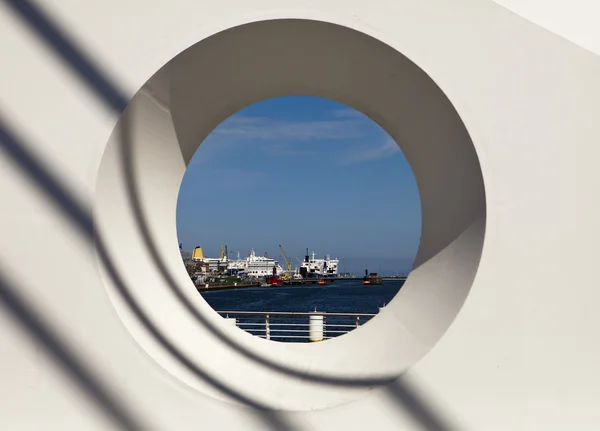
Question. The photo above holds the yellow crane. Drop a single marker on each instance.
(288, 264)
(222, 254)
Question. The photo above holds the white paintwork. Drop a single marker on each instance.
(315, 328)
(256, 266)
(326, 267)
(230, 320)
(522, 352)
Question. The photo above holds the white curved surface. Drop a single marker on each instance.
(522, 351)
(200, 88)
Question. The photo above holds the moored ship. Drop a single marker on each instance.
(255, 266)
(318, 268)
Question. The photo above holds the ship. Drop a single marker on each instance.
(254, 266)
(319, 268)
(372, 278)
(208, 264)
(274, 280)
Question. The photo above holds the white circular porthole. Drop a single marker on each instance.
(161, 129)
(318, 177)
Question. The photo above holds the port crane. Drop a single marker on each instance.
(288, 264)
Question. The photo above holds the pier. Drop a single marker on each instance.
(205, 287)
(334, 279)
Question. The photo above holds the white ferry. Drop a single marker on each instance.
(318, 268)
(255, 266)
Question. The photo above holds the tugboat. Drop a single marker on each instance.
(366, 279)
(274, 280)
(372, 278)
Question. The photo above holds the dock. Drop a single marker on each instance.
(333, 279)
(306, 281)
(224, 286)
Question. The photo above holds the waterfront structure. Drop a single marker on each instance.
(496, 111)
(320, 268)
(255, 266)
(209, 264)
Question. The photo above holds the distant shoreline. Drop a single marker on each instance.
(244, 285)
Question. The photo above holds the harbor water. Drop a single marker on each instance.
(341, 296)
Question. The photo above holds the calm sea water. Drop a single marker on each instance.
(341, 296)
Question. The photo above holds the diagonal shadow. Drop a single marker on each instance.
(89, 73)
(58, 350)
(128, 166)
(65, 358)
(407, 396)
(57, 41)
(84, 68)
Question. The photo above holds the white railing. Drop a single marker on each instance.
(296, 326)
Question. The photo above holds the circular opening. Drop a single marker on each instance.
(155, 139)
(300, 171)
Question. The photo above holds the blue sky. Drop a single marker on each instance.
(302, 172)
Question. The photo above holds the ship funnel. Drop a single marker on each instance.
(197, 253)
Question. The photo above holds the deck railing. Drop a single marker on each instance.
(296, 326)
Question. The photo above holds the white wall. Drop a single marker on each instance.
(498, 121)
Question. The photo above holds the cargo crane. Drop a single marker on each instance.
(288, 264)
